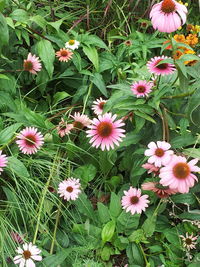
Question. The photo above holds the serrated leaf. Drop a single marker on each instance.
(4, 36)
(7, 133)
(47, 55)
(92, 55)
(97, 79)
(18, 167)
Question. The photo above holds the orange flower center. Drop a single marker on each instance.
(28, 65)
(168, 6)
(104, 129)
(159, 152)
(26, 254)
(101, 105)
(134, 200)
(181, 170)
(64, 53)
(188, 241)
(79, 125)
(71, 42)
(141, 89)
(69, 189)
(30, 140)
(177, 54)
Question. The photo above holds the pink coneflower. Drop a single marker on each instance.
(64, 54)
(177, 174)
(69, 189)
(168, 16)
(16, 237)
(3, 161)
(98, 105)
(160, 190)
(105, 131)
(30, 140)
(80, 121)
(32, 64)
(63, 128)
(133, 201)
(156, 66)
(189, 241)
(151, 168)
(159, 153)
(141, 88)
(27, 255)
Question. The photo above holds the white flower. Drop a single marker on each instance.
(26, 255)
(72, 44)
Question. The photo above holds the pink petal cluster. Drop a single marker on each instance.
(30, 140)
(69, 189)
(178, 174)
(32, 64)
(133, 201)
(141, 88)
(168, 15)
(3, 161)
(64, 128)
(80, 120)
(151, 168)
(159, 153)
(156, 187)
(98, 105)
(64, 55)
(106, 131)
(155, 66)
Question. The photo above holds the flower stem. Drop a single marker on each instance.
(41, 202)
(55, 228)
(87, 96)
(144, 255)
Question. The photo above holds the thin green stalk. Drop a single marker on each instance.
(144, 255)
(55, 228)
(179, 96)
(87, 96)
(41, 202)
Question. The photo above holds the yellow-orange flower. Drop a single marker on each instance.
(180, 38)
(189, 27)
(192, 39)
(190, 62)
(177, 54)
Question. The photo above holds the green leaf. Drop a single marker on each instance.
(127, 221)
(47, 55)
(18, 167)
(34, 119)
(184, 198)
(58, 258)
(115, 205)
(137, 236)
(92, 55)
(172, 235)
(107, 160)
(143, 115)
(103, 212)
(59, 96)
(108, 231)
(84, 206)
(56, 24)
(194, 107)
(86, 173)
(39, 20)
(2, 76)
(100, 84)
(134, 255)
(192, 152)
(7, 133)
(2, 4)
(4, 36)
(20, 15)
(149, 225)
